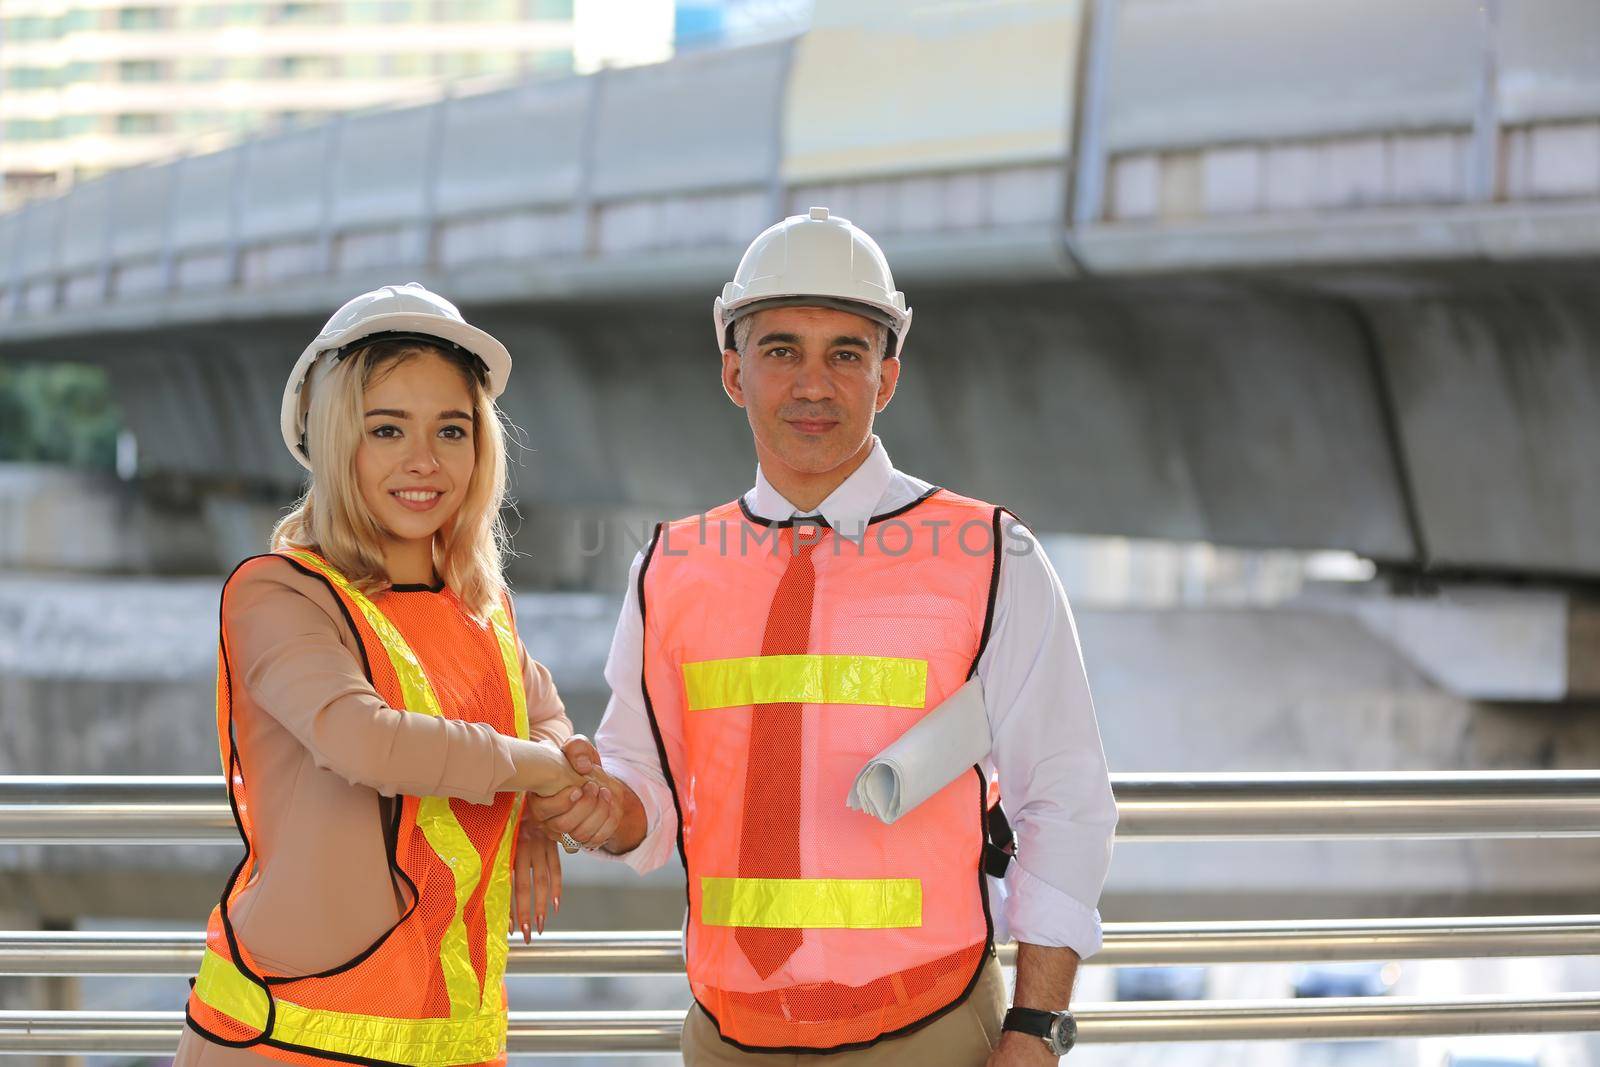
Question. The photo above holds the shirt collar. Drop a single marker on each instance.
(847, 509)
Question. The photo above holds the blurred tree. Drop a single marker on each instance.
(58, 413)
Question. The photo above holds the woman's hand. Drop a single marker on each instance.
(589, 812)
(535, 874)
(548, 772)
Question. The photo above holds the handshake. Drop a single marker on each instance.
(571, 801)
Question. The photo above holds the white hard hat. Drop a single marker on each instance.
(814, 260)
(395, 312)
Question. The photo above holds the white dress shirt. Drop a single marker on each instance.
(1047, 750)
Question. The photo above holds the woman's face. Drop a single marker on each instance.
(416, 453)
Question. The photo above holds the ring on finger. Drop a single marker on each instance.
(569, 844)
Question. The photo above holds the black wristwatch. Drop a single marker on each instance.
(1055, 1028)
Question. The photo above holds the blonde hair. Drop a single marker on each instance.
(332, 520)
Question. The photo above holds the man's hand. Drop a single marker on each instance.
(590, 814)
(1044, 981)
(1021, 1050)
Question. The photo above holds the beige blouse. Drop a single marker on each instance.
(324, 755)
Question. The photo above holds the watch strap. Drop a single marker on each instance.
(1029, 1021)
(1057, 1029)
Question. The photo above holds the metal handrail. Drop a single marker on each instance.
(149, 809)
(59, 953)
(566, 1033)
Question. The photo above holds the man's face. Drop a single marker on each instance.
(811, 381)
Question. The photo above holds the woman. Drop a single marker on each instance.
(379, 719)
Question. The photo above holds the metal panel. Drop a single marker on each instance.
(144, 197)
(204, 196)
(283, 186)
(515, 147)
(704, 120)
(86, 214)
(1549, 59)
(1238, 70)
(379, 173)
(880, 86)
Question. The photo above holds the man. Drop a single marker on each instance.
(770, 647)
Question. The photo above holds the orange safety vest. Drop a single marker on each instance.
(430, 990)
(894, 920)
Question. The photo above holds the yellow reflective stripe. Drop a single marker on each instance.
(506, 638)
(434, 817)
(497, 914)
(497, 897)
(812, 903)
(446, 837)
(881, 680)
(225, 988)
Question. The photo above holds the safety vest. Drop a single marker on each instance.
(429, 991)
(893, 920)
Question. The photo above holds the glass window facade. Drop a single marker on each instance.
(31, 129)
(141, 123)
(33, 77)
(142, 18)
(144, 70)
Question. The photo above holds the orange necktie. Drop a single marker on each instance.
(769, 841)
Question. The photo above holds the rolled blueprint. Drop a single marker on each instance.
(943, 745)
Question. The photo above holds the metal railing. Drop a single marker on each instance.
(641, 952)
(619, 1032)
(1151, 807)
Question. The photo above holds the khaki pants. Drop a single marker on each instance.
(962, 1037)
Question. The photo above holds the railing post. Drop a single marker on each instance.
(584, 202)
(14, 290)
(777, 201)
(332, 135)
(431, 176)
(58, 284)
(169, 226)
(236, 206)
(108, 238)
(1086, 189)
(1483, 179)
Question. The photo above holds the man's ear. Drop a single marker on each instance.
(888, 378)
(732, 381)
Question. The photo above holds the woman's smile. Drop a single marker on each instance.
(417, 499)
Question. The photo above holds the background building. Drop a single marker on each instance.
(88, 86)
(709, 23)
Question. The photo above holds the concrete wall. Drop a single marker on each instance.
(1497, 392)
(1438, 419)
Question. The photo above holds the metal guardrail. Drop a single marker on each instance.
(145, 809)
(1151, 807)
(619, 1032)
(62, 953)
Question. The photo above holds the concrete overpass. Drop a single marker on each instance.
(1287, 274)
